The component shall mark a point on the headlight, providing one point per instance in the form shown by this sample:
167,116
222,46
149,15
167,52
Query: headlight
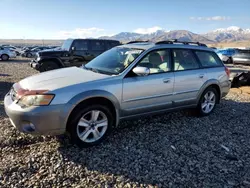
35,100
38,59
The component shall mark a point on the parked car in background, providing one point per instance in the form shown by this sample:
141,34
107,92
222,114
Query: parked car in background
242,56
226,54
124,82
13,48
32,52
6,54
73,52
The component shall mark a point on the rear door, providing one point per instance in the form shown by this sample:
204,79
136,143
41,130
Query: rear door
189,77
80,54
97,48
110,44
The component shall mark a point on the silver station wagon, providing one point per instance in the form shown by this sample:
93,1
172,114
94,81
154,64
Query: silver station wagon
139,78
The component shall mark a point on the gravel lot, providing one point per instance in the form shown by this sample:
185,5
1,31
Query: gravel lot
170,150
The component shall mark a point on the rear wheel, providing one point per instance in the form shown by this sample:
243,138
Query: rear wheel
48,65
208,101
5,57
90,125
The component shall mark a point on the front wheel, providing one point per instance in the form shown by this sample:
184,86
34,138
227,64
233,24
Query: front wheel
208,101
5,57
29,55
90,125
48,65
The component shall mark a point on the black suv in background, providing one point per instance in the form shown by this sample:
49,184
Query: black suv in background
73,52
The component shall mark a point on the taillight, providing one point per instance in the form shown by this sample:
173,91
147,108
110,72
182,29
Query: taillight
227,71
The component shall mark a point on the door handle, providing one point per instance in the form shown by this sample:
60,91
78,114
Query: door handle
201,76
166,80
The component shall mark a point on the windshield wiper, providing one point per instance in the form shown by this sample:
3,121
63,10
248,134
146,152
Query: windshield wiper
96,70
89,68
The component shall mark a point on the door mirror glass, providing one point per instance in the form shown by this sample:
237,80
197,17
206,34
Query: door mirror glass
141,71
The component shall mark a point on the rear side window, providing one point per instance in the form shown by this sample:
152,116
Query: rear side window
184,60
208,59
81,45
98,45
111,44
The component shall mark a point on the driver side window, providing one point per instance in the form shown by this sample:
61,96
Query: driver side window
157,61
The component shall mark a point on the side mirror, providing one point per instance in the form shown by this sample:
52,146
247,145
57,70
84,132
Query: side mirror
73,48
141,71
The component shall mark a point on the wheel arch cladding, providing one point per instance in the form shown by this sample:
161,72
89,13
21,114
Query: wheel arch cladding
94,97
210,83
56,60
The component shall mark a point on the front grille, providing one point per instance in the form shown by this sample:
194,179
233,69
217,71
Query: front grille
13,94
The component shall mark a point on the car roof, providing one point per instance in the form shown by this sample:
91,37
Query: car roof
151,45
94,39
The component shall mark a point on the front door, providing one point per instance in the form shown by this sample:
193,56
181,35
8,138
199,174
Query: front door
189,77
154,92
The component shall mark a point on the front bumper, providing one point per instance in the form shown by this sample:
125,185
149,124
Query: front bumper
34,64
45,120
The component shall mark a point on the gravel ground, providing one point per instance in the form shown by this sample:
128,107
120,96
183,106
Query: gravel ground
170,150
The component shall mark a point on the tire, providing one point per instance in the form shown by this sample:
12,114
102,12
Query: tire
229,61
29,55
207,106
5,57
48,65
93,134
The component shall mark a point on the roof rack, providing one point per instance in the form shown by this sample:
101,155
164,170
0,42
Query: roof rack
180,42
137,41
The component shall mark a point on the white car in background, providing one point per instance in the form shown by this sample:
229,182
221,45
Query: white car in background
6,54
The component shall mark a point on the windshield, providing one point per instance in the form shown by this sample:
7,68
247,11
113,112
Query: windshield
66,45
114,61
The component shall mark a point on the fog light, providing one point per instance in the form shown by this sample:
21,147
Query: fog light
28,127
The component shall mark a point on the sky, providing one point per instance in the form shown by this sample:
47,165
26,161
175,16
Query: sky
60,19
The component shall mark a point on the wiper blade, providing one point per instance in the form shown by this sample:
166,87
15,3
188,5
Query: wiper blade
89,68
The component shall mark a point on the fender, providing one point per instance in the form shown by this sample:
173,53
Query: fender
92,94
52,58
205,86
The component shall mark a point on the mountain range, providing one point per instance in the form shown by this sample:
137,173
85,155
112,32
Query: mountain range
230,34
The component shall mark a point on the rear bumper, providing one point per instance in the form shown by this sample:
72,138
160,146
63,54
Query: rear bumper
225,88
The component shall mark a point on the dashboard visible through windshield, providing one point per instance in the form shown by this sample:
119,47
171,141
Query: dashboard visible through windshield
114,61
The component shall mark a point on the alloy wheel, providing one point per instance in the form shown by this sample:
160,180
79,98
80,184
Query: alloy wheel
208,102
92,126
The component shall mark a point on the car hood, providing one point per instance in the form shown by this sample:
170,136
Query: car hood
60,78
50,52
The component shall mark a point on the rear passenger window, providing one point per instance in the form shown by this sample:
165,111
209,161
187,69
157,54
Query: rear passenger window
184,60
98,45
208,59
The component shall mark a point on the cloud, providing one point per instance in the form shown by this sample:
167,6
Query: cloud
92,32
147,30
213,18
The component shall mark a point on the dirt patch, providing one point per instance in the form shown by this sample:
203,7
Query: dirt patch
241,90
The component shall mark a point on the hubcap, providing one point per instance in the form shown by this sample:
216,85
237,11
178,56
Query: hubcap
92,126
208,102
